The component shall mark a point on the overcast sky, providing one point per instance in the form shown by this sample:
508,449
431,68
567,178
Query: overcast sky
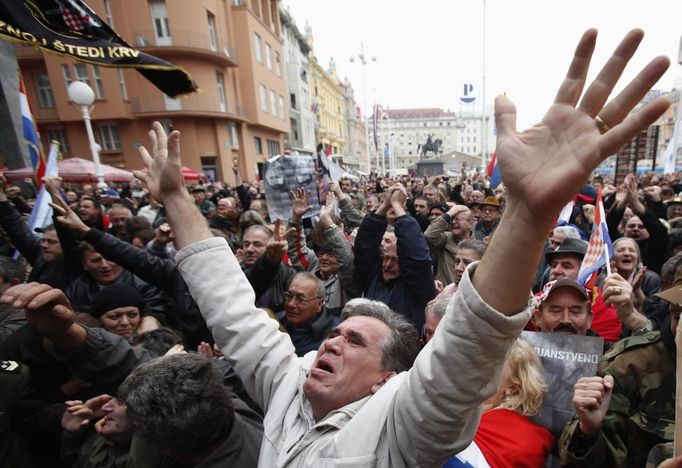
427,49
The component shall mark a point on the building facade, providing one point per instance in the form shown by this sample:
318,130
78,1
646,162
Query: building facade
301,138
402,133
233,51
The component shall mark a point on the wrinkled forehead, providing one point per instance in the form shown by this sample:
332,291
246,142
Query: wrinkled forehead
371,329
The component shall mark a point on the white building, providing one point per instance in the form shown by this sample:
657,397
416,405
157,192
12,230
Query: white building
407,130
302,120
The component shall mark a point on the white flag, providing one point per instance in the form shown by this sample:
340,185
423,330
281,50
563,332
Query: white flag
41,215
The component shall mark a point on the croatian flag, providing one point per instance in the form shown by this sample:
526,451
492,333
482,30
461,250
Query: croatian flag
493,172
600,248
31,139
41,214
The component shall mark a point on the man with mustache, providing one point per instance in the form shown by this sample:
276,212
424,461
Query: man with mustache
564,308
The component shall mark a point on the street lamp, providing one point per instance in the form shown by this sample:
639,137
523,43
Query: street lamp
363,60
83,95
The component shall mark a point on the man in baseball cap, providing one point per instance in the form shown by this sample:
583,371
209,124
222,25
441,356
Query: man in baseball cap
564,308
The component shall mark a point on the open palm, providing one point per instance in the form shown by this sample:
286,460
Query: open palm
545,165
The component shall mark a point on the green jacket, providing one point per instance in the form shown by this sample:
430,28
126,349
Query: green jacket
642,409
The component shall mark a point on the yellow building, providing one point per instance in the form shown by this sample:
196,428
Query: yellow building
232,49
328,103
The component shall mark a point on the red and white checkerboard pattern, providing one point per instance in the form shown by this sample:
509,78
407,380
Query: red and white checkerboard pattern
595,249
74,19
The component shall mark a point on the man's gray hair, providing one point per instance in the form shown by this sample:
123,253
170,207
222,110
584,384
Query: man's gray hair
569,231
177,403
319,284
401,349
438,306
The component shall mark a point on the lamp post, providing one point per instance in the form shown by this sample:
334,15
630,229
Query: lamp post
83,95
363,60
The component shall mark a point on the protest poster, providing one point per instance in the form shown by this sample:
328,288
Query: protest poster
565,359
284,174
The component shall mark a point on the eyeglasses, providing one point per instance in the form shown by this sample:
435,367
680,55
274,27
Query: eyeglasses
300,298
388,258
633,226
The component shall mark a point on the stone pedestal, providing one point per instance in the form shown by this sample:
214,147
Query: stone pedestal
432,168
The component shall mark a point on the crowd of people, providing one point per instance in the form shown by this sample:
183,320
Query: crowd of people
160,325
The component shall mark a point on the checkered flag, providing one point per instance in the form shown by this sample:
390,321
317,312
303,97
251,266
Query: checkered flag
600,248
77,17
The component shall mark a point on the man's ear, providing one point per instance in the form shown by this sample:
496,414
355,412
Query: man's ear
384,377
536,317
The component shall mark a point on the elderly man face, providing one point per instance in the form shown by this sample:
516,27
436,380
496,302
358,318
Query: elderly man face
476,196
390,267
634,229
565,265
224,206
489,215
302,304
114,426
348,365
460,225
564,311
556,239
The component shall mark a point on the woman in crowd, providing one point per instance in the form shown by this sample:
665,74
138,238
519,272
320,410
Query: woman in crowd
122,311
506,437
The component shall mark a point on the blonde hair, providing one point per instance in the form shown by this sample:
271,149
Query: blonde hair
527,375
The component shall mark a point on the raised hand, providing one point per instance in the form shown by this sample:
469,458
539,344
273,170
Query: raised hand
545,166
327,210
300,204
65,215
163,177
78,414
277,244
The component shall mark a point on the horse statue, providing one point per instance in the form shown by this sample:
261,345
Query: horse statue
430,145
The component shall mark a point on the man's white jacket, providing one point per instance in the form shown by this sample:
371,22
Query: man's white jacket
417,419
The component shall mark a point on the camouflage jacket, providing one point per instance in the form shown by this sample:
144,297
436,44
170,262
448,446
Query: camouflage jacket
642,409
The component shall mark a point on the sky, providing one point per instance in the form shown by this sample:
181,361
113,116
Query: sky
428,49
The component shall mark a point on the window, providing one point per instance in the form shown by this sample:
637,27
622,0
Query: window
81,71
66,71
259,145
292,100
263,97
99,85
220,84
281,106
107,13
122,84
273,148
45,96
213,41
273,103
234,138
268,53
160,20
259,47
278,64
109,138
58,134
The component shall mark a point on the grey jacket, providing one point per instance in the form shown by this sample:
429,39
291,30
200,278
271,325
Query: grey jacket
418,418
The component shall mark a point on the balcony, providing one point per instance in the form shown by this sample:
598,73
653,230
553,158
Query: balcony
193,104
186,43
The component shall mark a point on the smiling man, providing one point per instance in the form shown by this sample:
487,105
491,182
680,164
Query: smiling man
358,402
564,308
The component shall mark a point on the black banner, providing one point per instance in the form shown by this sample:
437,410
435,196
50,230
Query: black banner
72,28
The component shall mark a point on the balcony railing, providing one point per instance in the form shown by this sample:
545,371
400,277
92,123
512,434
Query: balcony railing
186,39
192,103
